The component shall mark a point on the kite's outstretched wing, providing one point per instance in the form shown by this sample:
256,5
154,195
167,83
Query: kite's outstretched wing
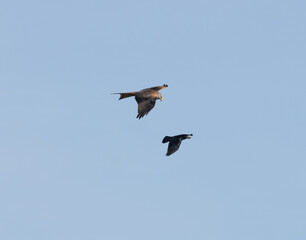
145,106
159,87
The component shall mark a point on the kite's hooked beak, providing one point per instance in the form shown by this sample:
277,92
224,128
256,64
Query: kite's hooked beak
161,98
189,137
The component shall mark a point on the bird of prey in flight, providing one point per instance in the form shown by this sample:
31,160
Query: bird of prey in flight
145,98
175,142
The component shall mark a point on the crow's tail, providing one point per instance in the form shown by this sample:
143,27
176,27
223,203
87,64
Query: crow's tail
166,139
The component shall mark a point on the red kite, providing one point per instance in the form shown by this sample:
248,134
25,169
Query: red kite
145,98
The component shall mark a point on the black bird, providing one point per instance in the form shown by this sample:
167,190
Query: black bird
175,142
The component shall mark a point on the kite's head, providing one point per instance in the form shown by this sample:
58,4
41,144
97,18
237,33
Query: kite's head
160,96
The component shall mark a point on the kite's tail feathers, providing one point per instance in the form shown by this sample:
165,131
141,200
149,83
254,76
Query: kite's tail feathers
126,95
166,139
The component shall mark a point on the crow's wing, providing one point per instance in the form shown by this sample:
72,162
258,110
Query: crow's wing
173,146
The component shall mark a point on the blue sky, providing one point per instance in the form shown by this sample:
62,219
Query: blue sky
75,163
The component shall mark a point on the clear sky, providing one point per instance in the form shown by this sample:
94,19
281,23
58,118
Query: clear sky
75,163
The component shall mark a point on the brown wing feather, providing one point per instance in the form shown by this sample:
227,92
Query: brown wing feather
159,87
144,107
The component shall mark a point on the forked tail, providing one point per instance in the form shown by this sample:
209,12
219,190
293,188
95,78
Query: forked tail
126,95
